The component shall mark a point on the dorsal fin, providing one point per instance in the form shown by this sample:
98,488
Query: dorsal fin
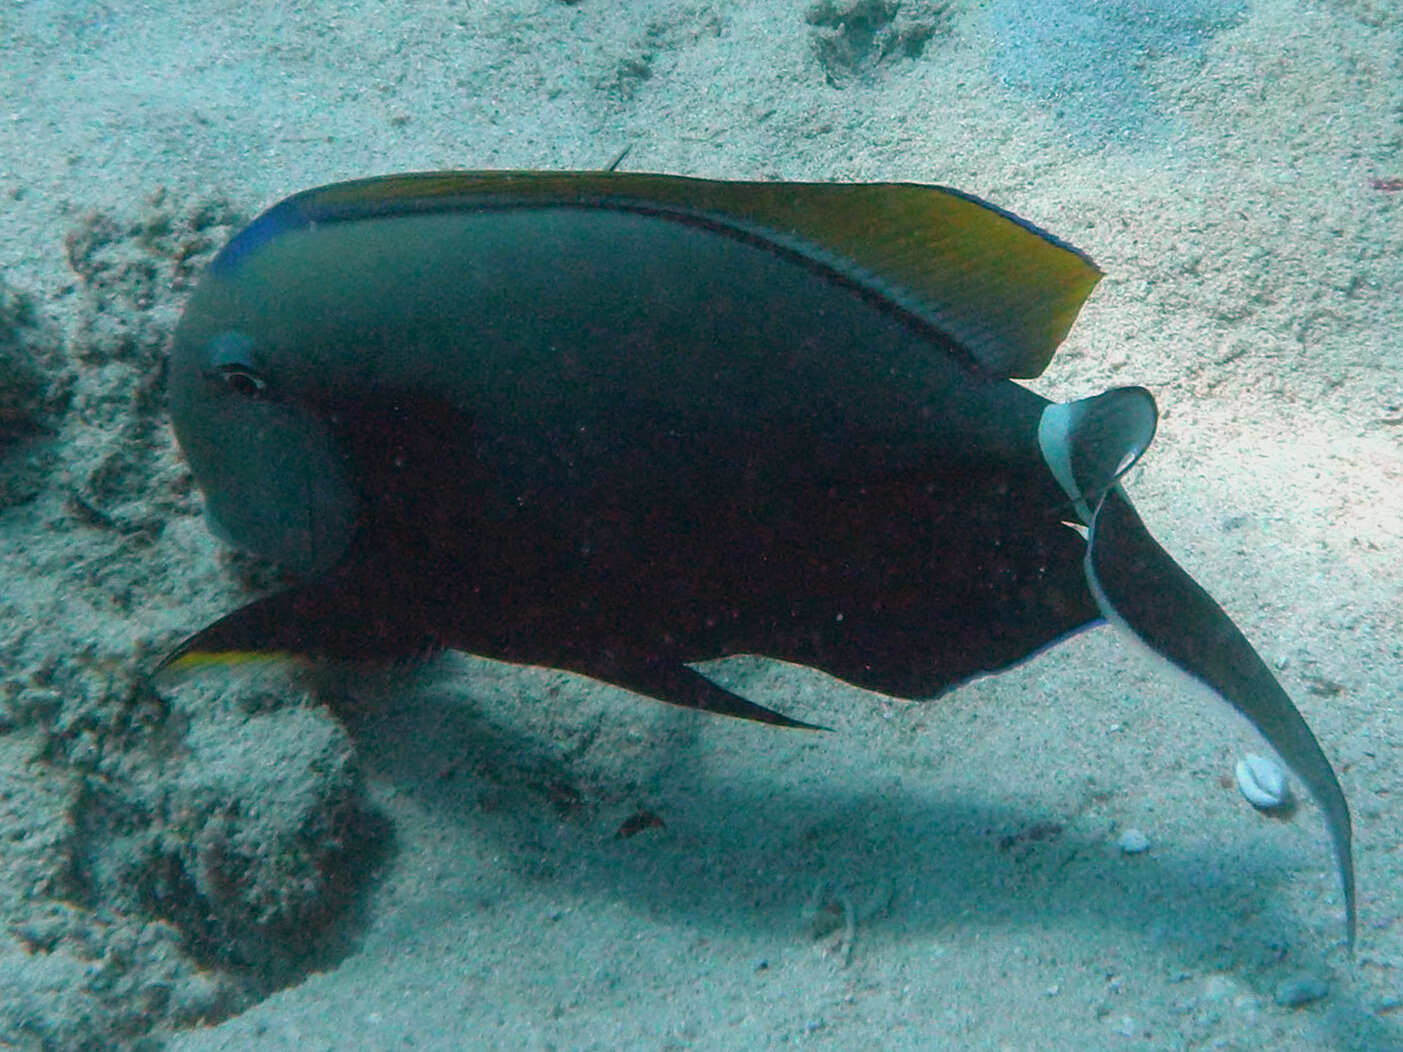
999,288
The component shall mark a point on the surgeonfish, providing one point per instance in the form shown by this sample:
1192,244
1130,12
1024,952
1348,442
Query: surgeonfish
621,423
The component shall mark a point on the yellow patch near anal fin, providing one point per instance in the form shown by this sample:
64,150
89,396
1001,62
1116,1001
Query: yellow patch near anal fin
189,662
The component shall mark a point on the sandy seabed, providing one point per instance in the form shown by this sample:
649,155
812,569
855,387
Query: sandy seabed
430,861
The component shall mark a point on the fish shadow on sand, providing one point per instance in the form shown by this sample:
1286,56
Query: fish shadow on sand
750,846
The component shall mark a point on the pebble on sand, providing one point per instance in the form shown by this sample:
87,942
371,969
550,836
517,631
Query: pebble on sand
1300,989
1133,842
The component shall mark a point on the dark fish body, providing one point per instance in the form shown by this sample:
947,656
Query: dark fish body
619,424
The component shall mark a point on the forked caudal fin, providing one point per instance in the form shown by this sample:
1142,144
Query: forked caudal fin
1091,443
1139,586
1088,445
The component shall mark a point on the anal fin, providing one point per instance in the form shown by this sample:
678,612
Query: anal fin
677,684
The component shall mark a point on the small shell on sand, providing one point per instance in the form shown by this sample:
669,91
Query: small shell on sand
1262,781
1133,842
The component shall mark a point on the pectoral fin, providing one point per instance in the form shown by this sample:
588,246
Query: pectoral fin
1139,586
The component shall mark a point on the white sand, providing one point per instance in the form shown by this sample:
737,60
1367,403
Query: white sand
1254,283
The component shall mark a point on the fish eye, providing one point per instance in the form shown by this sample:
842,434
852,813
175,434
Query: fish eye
231,359
242,380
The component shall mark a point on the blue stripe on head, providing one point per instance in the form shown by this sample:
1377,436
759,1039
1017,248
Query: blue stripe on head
289,214
337,202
